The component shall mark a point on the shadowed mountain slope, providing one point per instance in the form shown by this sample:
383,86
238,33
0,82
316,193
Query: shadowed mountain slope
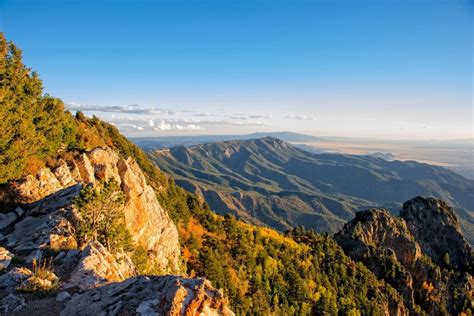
268,181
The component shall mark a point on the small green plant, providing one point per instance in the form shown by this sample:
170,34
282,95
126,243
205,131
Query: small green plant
101,218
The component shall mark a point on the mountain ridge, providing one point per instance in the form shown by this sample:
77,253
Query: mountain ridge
249,178
152,143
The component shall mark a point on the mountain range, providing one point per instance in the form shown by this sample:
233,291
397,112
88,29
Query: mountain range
151,143
271,182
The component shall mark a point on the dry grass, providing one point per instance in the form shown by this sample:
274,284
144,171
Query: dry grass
42,278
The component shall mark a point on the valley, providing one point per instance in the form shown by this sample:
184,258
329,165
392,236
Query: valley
270,182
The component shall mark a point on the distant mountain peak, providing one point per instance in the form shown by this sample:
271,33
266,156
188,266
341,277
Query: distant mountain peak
284,186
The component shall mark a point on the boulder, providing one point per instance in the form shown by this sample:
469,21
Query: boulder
86,170
19,211
64,175
52,230
11,280
59,199
97,266
7,219
155,295
104,162
33,188
46,280
5,258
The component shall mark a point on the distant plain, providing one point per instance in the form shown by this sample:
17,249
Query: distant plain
457,155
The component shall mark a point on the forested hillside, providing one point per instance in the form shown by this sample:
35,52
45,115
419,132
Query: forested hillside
263,271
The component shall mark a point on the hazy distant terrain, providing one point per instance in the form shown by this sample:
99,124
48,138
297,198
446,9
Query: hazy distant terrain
151,143
268,181
457,155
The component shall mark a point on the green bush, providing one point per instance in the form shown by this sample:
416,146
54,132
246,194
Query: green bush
100,216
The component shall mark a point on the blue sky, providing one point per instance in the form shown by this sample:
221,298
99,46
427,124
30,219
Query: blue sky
382,69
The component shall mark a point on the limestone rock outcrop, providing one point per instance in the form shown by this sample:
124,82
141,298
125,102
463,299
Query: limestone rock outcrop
435,226
49,191
97,266
385,245
155,295
408,252
148,223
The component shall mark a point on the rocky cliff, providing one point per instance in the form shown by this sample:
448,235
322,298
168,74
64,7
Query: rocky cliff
435,226
413,253
149,225
40,251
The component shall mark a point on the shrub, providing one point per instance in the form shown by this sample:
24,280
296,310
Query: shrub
100,216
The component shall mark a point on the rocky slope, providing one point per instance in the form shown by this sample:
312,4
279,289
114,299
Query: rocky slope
268,181
413,253
149,225
166,295
40,251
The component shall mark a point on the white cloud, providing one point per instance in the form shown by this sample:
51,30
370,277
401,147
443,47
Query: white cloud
129,109
149,120
240,116
299,117
168,126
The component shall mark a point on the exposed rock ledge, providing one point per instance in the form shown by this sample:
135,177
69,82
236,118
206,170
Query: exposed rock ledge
164,295
149,225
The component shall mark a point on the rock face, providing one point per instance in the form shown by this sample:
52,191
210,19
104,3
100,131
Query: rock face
165,295
385,245
408,251
7,219
33,235
436,228
149,225
97,266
